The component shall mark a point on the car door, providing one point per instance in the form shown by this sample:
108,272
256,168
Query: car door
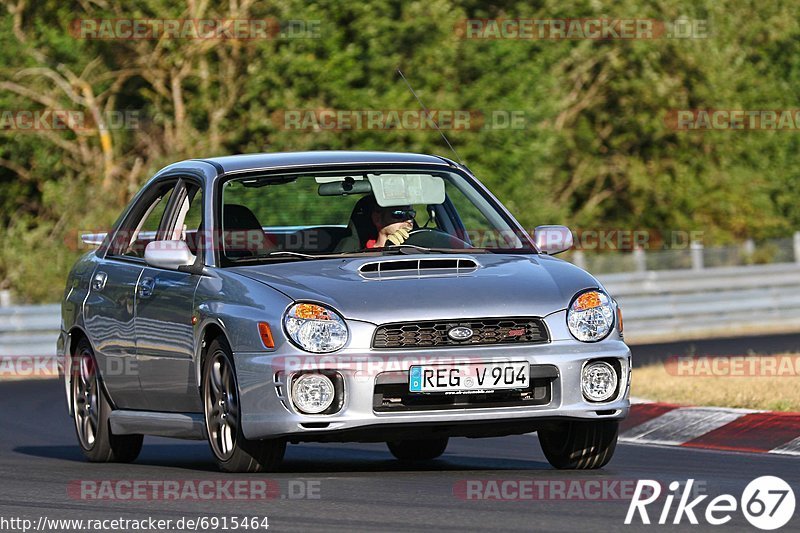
109,310
164,310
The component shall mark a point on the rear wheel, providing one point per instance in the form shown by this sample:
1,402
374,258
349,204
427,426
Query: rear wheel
418,450
90,412
580,445
232,451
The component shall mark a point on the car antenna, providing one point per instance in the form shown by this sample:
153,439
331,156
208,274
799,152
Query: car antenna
428,115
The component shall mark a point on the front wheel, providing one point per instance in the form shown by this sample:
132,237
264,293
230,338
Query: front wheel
578,445
90,412
418,450
232,451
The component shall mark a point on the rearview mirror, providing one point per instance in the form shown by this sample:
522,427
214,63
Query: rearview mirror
168,254
552,240
344,187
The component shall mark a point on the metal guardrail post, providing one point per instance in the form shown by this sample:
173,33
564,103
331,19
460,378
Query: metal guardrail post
579,259
749,248
696,249
639,260
797,246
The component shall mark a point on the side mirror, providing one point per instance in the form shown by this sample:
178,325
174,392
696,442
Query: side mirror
168,254
552,240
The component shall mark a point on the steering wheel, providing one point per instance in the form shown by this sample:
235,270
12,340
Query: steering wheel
435,238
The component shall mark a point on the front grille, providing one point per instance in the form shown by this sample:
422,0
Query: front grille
485,331
391,394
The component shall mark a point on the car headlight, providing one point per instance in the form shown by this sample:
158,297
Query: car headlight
590,317
315,328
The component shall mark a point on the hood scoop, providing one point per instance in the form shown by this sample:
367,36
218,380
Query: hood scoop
418,267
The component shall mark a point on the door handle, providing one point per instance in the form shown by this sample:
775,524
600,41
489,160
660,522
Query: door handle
99,281
146,287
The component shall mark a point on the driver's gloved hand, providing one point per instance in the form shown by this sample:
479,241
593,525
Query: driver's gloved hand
398,237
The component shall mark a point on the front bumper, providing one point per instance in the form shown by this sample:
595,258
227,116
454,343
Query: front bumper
267,411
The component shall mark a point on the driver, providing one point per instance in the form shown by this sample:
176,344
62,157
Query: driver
373,226
393,225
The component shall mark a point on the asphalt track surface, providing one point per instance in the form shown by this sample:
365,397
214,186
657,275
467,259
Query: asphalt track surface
360,487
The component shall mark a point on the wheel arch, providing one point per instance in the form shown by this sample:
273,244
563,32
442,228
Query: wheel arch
210,331
74,336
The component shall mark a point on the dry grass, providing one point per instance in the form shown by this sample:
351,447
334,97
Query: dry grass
11,377
703,385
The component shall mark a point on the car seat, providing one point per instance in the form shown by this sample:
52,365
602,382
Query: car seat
243,235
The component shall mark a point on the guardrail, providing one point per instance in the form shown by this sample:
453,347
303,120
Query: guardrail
657,306
692,304
610,252
29,330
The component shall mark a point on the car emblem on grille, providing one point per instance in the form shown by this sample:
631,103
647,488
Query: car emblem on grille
460,333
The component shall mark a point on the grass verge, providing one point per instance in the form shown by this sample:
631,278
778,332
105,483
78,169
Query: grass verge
753,382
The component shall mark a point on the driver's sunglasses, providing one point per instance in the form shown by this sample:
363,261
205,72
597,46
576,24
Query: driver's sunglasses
403,214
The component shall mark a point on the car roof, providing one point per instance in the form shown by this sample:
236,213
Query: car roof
252,162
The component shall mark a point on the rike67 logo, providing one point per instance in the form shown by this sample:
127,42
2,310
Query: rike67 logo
767,503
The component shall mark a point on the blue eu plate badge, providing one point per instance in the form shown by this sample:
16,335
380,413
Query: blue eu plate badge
415,381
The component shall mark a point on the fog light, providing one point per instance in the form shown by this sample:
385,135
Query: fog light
599,381
312,393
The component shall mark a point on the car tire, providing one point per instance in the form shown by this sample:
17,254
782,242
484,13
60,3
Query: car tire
91,410
418,450
220,394
579,445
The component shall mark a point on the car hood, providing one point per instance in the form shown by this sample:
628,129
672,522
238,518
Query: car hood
499,285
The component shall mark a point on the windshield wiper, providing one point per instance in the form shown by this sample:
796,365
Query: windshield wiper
409,249
401,249
281,254
299,255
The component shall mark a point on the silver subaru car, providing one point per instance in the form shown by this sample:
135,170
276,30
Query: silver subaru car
266,299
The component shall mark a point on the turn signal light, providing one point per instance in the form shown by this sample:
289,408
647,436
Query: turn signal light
266,335
311,312
587,300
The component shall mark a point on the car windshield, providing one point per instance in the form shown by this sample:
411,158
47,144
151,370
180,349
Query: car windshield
356,212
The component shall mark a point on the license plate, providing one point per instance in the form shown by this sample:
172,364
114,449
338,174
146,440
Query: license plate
472,377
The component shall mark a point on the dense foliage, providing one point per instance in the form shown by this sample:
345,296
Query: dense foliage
596,149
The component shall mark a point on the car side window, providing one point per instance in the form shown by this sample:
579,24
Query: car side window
194,216
136,233
189,220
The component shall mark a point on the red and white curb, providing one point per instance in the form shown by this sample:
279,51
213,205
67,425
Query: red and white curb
716,428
